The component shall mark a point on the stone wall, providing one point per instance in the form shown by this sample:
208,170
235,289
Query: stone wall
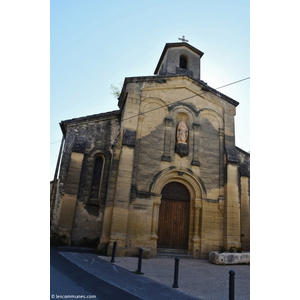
138,145
153,111
89,136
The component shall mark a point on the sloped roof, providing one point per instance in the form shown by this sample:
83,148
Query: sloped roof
105,115
162,79
173,45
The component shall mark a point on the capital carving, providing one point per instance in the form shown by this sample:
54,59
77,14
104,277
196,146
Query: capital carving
198,204
196,126
221,204
221,132
157,200
168,121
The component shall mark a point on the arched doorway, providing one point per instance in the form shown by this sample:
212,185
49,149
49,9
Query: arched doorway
174,213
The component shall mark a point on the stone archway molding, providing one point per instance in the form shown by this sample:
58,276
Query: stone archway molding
197,196
186,177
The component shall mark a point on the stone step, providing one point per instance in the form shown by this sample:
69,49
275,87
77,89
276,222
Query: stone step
172,253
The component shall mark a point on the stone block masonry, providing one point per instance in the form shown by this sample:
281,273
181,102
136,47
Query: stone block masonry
229,258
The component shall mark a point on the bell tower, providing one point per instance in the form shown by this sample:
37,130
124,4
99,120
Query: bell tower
179,59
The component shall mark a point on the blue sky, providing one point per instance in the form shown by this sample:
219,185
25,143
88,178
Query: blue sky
94,44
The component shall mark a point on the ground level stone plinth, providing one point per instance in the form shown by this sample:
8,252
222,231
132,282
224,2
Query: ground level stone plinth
229,258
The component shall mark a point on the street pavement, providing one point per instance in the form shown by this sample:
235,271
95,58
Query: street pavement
68,281
198,279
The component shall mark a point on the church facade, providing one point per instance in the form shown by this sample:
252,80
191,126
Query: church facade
162,172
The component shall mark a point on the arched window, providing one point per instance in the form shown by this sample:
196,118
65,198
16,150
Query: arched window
95,187
183,62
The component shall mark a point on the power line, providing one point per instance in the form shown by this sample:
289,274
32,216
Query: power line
184,99
181,100
232,83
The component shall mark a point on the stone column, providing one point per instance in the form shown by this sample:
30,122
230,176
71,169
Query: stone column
195,161
167,143
245,213
107,215
196,235
122,195
221,163
155,215
69,198
154,225
232,220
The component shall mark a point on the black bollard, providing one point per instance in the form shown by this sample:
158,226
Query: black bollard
231,285
139,270
175,284
113,252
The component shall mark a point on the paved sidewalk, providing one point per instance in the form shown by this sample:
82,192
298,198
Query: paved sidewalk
197,277
139,286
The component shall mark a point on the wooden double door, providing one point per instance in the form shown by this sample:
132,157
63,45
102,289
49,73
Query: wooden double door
174,213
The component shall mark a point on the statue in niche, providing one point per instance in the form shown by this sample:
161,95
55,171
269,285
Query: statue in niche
182,148
182,132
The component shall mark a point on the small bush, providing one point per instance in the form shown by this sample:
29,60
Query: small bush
102,251
232,249
222,249
58,240
89,243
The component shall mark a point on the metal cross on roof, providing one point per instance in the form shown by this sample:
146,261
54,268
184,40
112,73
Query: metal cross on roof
183,39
